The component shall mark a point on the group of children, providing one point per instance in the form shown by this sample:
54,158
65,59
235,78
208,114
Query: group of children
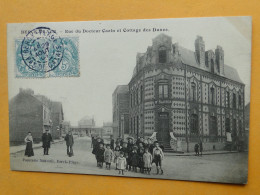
129,156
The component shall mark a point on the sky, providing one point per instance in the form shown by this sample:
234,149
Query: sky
108,59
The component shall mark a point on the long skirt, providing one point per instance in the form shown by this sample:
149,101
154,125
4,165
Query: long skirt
29,149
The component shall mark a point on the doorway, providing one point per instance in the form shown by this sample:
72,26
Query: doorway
163,128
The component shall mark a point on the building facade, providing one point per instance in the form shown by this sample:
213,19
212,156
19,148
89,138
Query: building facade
120,104
57,118
107,128
87,122
28,113
185,95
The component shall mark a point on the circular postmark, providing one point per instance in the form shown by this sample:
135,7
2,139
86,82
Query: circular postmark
42,49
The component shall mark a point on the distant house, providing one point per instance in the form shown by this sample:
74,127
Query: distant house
66,126
86,122
34,113
107,128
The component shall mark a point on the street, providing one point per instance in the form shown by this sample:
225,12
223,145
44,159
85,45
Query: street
216,168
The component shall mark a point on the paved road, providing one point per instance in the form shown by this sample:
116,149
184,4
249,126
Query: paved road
228,168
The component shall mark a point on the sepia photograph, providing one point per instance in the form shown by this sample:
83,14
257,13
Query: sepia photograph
154,98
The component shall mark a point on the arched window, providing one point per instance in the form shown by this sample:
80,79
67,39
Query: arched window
131,100
227,125
213,130
193,91
239,100
240,133
228,99
162,55
137,96
234,100
212,95
194,124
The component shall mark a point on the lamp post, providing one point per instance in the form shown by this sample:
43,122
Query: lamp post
122,127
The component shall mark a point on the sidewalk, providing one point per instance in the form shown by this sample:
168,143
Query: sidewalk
203,153
15,149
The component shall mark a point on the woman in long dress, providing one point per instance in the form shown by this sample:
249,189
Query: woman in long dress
29,145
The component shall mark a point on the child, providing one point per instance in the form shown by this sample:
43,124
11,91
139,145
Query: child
108,156
135,159
158,157
100,155
121,163
140,153
147,158
116,155
124,149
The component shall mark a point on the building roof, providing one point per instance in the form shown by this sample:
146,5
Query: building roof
188,57
121,89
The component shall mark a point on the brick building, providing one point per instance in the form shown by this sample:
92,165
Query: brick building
185,95
120,103
35,113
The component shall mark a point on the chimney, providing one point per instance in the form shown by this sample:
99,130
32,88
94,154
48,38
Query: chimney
200,50
175,49
219,52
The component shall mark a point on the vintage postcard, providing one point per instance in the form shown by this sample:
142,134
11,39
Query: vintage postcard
161,98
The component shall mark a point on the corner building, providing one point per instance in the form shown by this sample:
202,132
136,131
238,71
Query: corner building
185,95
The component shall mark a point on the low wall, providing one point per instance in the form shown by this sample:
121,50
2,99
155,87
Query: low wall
207,146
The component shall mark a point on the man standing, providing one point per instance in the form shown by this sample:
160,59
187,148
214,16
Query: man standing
69,142
46,142
196,149
201,148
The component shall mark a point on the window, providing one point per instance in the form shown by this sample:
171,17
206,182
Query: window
234,100
234,127
131,125
212,95
227,125
194,124
162,55
228,99
134,126
131,100
193,91
213,130
137,97
163,90
240,128
137,126
239,100
142,91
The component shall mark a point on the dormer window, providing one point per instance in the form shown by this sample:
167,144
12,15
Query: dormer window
162,55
